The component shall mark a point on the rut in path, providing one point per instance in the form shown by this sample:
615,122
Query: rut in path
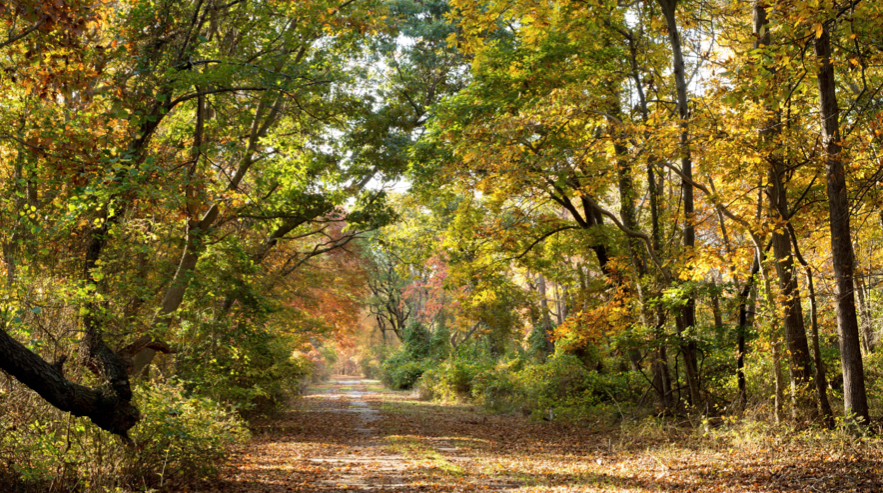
352,435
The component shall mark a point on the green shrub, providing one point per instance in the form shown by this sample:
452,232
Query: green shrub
182,438
497,388
521,382
400,372
453,379
323,359
371,367
561,382
253,370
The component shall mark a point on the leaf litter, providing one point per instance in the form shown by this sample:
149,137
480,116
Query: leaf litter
342,437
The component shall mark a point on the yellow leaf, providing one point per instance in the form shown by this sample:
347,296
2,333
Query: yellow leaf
819,30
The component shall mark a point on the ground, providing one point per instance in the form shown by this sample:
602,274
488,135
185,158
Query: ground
353,435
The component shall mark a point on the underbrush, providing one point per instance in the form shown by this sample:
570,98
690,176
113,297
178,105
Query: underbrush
180,440
515,382
245,365
189,423
752,435
562,386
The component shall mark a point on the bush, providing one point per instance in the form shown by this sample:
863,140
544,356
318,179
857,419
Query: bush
416,354
453,380
371,367
323,359
520,382
401,372
180,439
498,388
253,370
187,436
563,382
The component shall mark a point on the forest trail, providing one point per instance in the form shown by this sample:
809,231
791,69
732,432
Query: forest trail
353,435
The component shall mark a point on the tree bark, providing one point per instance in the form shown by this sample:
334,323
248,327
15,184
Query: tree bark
778,398
104,405
659,367
688,313
547,321
869,340
855,399
740,342
792,314
820,379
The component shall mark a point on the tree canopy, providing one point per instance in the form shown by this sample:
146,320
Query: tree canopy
676,195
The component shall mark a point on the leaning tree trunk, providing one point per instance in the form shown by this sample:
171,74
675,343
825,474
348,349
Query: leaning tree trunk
105,405
855,399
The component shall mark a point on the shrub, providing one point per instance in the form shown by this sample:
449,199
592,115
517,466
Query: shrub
253,370
401,372
180,439
187,436
453,379
323,359
371,367
497,388
562,382
519,381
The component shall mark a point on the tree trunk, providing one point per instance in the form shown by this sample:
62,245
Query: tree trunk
792,316
688,313
659,367
778,398
869,340
740,342
746,319
855,399
266,114
547,321
820,379
716,307
559,304
103,405
689,364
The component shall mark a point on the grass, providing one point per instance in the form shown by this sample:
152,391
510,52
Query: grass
414,449
420,407
320,389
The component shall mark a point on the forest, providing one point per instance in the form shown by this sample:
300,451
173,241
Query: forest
652,220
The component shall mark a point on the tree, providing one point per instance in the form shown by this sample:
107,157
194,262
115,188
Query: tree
192,115
854,394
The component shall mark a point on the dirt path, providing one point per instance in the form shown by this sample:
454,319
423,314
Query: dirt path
352,435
